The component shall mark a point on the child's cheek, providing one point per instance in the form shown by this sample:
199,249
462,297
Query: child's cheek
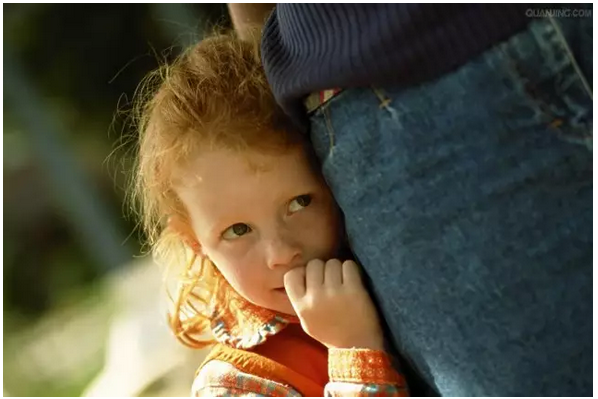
239,250
322,229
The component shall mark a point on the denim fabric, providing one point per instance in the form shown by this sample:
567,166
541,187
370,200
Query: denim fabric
468,201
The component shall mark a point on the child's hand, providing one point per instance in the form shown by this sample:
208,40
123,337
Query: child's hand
333,305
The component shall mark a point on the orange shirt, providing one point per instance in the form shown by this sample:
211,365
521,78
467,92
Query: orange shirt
261,352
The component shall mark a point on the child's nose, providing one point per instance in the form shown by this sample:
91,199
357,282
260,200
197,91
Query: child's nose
281,252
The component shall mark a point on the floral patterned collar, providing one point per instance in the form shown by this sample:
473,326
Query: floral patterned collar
238,323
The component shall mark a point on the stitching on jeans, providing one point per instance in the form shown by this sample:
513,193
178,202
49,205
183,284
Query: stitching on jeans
572,59
329,129
587,140
385,102
382,97
554,122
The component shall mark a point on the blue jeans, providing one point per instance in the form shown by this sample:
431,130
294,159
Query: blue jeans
468,201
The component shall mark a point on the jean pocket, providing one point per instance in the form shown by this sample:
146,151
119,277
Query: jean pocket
542,65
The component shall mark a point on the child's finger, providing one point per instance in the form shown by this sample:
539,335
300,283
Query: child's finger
333,273
351,274
294,283
314,274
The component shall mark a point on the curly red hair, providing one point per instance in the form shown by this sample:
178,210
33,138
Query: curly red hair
214,94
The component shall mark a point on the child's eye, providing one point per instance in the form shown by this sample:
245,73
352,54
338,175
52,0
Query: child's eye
235,231
299,203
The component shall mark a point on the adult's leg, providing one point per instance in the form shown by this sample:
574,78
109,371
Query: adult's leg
468,200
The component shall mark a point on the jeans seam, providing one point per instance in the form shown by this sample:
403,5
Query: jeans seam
563,41
329,129
552,121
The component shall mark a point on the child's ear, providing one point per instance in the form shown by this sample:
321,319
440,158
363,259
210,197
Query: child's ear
183,229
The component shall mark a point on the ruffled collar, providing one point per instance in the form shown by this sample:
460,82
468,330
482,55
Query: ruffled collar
238,323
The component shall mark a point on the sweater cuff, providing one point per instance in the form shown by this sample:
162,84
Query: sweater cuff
362,366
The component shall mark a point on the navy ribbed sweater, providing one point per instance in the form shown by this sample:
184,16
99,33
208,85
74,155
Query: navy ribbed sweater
311,47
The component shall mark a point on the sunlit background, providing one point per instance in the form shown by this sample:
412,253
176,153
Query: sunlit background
83,312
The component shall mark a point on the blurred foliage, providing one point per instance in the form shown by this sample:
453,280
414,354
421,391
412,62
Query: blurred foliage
86,61
61,353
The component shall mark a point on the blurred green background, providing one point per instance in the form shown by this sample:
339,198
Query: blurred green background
76,294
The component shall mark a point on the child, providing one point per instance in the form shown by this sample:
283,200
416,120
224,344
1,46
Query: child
221,173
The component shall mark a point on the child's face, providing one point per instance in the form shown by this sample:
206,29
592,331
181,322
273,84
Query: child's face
257,224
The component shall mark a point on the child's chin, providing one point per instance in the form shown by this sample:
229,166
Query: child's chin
291,312
285,308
